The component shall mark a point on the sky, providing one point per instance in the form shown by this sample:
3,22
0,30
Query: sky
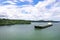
30,9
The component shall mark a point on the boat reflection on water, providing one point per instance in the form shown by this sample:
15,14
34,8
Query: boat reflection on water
44,26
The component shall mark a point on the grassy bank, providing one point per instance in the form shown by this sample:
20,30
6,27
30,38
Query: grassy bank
11,22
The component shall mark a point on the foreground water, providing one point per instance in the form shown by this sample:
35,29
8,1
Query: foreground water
28,32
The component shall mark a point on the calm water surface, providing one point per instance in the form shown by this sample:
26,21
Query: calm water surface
28,32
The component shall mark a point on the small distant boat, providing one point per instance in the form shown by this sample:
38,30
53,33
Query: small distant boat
44,26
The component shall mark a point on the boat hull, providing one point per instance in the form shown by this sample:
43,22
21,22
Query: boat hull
42,27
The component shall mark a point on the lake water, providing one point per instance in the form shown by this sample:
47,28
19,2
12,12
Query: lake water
28,32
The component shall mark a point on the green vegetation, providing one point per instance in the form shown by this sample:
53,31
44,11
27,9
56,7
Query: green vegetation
11,22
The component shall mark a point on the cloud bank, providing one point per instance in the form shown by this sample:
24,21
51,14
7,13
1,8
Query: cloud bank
45,10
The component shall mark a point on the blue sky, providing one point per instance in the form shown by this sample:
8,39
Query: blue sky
30,9
21,3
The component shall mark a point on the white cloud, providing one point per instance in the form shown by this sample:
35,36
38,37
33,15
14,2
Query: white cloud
26,0
29,12
13,0
57,16
44,3
48,13
14,12
20,0
10,2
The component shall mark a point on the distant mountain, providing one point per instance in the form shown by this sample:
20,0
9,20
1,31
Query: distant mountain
45,21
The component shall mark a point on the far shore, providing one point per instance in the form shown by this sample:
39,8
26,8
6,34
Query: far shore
12,22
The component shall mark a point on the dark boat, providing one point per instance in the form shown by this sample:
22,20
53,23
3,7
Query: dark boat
45,26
